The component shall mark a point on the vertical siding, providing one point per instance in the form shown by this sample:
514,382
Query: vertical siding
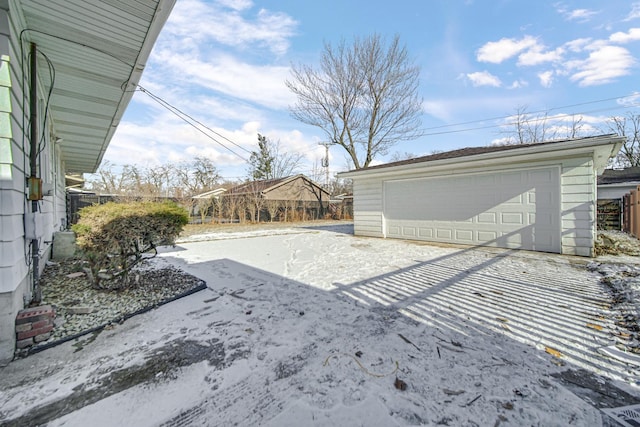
367,208
578,183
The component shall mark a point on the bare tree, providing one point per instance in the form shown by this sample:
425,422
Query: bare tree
273,207
363,96
528,128
398,156
196,176
629,127
109,181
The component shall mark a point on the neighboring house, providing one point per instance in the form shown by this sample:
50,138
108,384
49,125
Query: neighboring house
538,197
67,73
203,204
613,184
208,195
266,197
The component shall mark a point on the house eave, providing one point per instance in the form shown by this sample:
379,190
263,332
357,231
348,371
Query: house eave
98,52
601,148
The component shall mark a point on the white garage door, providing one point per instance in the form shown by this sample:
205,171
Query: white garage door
514,209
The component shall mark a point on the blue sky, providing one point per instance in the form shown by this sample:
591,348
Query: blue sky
224,62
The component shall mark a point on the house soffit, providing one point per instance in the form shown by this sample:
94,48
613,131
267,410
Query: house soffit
91,56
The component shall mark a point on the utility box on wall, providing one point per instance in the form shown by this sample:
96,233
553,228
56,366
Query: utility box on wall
33,225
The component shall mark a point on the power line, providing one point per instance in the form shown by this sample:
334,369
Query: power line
534,112
183,116
535,119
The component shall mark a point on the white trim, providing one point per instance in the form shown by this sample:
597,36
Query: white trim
600,148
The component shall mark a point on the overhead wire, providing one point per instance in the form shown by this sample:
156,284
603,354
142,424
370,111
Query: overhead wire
191,120
532,120
536,112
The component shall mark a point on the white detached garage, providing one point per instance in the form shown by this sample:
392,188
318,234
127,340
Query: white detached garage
539,197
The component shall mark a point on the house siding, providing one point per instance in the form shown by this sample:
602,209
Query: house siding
14,271
298,189
578,184
368,219
16,276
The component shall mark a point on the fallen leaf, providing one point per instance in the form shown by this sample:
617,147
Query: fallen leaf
507,405
452,392
553,352
399,384
502,319
594,326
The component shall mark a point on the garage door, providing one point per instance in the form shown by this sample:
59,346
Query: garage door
511,209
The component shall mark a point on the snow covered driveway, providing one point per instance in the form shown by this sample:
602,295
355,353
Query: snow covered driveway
313,326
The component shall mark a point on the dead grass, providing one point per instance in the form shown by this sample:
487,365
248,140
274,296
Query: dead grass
616,243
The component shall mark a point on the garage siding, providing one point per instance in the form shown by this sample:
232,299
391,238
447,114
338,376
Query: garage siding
367,208
578,205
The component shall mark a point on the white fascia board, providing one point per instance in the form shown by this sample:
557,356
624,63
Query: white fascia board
620,184
600,148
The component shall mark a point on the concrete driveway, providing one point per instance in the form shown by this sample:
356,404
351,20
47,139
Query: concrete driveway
313,326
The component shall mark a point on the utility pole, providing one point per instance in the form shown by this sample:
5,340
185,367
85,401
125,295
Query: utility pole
325,162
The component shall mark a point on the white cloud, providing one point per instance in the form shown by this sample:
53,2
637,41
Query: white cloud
503,49
537,56
224,22
484,78
519,84
546,78
260,84
630,101
621,37
635,12
578,45
440,109
581,15
604,64
236,4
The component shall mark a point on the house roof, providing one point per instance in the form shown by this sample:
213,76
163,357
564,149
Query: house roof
98,50
210,194
606,145
264,186
619,176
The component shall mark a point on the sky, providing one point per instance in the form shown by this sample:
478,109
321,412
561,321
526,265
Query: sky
225,62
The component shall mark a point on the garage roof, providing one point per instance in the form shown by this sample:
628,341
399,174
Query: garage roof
603,146
98,49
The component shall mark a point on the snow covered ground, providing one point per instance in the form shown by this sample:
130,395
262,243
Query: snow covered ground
313,326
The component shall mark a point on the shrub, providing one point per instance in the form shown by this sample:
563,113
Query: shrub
114,237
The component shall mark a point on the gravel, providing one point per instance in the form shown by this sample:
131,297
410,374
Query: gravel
81,308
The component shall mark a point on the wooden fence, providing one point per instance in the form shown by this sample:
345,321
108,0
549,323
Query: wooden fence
609,214
631,213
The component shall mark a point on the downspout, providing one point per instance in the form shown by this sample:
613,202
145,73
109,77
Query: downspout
33,163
